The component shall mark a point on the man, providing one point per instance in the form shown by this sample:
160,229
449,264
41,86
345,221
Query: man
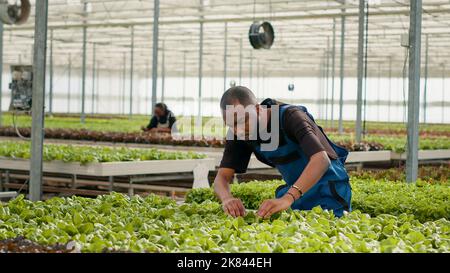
310,164
162,121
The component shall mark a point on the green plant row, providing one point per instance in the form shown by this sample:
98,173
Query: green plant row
429,174
396,143
426,202
389,142
155,224
90,154
125,124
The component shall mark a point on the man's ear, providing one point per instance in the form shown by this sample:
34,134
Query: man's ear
258,107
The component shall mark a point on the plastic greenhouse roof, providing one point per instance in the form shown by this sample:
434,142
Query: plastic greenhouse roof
303,35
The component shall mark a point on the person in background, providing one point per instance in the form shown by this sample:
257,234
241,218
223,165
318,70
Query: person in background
162,120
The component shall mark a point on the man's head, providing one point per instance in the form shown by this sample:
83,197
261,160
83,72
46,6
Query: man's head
241,111
237,95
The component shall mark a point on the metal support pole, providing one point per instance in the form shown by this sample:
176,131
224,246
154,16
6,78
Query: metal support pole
320,90
360,68
93,78
163,72
111,183
327,76
225,49
69,78
333,69
37,125
378,92
342,73
415,30
200,70
443,92
390,88
251,70
83,77
97,93
147,95
50,99
131,71
184,81
1,70
124,83
240,61
425,84
257,79
155,51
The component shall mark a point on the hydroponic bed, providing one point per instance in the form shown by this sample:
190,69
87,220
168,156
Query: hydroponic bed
389,217
107,162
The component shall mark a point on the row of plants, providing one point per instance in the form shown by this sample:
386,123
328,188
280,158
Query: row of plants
90,154
117,222
116,137
396,131
425,201
392,143
430,174
104,122
370,143
93,123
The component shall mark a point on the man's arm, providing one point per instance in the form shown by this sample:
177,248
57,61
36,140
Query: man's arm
221,183
231,205
236,157
299,127
314,170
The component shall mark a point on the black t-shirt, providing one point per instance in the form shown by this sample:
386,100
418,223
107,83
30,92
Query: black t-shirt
297,126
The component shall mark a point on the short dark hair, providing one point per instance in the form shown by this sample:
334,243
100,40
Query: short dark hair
237,93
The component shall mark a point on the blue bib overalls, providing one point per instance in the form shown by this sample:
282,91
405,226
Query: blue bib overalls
331,192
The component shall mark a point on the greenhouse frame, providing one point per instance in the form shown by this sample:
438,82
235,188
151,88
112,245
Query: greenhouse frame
373,73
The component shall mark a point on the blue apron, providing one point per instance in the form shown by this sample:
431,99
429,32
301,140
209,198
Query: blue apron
331,192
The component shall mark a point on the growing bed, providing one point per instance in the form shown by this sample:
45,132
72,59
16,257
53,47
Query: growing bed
109,162
156,224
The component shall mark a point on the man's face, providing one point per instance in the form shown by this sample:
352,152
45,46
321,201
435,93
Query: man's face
159,112
243,121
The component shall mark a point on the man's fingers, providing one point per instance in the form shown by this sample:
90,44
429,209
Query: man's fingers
272,210
234,207
232,211
237,207
264,208
237,210
241,208
226,210
268,210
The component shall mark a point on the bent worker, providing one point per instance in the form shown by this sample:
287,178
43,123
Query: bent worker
311,165
162,121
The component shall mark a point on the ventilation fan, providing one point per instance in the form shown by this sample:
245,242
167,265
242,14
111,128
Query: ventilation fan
291,87
261,35
14,14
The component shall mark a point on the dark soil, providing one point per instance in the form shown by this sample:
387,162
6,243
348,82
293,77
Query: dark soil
22,245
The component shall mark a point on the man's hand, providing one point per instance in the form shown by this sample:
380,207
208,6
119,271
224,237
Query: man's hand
233,206
272,206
